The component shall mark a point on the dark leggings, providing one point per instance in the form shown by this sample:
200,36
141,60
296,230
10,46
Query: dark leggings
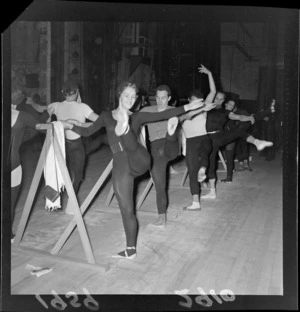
242,150
229,153
220,139
162,151
75,158
128,164
197,156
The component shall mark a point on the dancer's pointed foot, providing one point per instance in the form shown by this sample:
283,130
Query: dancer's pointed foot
122,123
172,125
261,144
201,175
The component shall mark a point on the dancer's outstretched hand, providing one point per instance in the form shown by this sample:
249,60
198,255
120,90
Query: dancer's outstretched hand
252,119
202,69
208,106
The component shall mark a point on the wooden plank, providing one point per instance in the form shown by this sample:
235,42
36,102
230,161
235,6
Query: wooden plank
110,196
46,126
144,194
31,252
186,172
222,160
83,208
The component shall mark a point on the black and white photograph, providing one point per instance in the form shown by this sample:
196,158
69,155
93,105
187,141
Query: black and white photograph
151,151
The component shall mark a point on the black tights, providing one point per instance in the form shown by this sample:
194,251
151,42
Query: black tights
220,139
75,159
242,150
229,153
197,156
127,165
162,151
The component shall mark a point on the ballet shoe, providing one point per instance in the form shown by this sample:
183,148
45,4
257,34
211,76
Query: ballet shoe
194,207
261,144
161,221
227,180
211,195
128,253
172,125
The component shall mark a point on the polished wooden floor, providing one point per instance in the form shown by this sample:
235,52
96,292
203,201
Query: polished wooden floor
234,242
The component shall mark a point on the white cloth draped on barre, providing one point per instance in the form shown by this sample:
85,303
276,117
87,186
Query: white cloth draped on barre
52,173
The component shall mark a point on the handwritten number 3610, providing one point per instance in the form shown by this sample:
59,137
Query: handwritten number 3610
204,300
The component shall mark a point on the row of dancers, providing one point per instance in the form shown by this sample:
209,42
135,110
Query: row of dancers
202,123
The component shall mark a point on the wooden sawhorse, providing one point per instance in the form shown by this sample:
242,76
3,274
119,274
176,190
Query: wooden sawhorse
51,138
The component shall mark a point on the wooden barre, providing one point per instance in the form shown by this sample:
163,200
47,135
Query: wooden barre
45,126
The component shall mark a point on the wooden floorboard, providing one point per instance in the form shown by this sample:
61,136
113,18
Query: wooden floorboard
234,242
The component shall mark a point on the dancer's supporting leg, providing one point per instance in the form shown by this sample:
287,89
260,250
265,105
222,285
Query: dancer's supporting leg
193,165
75,158
197,160
123,182
242,154
132,160
229,153
163,151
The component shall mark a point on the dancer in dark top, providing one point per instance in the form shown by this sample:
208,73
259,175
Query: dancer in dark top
216,120
130,158
21,122
238,147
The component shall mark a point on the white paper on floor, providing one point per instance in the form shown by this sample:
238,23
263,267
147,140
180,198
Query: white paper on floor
38,271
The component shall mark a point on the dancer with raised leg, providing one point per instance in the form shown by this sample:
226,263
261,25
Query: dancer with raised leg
130,158
198,144
216,120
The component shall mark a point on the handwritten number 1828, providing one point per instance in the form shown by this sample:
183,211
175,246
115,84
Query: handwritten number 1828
60,305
